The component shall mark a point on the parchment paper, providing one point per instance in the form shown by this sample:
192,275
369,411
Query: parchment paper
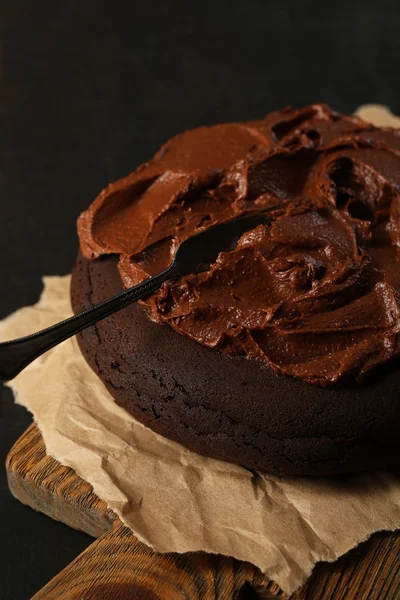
175,500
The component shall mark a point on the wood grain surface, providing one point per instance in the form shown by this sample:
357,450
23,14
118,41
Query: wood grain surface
41,482
119,567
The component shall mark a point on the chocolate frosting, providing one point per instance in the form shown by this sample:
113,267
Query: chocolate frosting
315,291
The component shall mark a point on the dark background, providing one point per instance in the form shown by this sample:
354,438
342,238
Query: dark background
88,90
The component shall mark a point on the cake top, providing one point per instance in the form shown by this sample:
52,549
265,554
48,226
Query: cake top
315,291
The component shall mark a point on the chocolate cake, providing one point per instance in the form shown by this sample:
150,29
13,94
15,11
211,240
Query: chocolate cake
283,355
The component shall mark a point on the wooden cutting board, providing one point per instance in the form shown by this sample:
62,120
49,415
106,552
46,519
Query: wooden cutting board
118,567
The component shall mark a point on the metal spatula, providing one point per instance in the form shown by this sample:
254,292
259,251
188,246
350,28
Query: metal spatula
192,254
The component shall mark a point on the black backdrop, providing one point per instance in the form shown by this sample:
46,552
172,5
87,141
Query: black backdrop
89,89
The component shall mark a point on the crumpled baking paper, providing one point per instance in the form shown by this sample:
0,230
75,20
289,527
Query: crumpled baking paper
175,500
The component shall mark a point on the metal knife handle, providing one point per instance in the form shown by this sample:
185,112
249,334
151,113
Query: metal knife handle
17,354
